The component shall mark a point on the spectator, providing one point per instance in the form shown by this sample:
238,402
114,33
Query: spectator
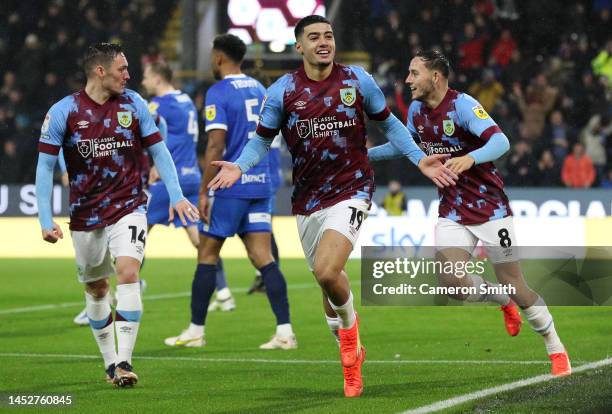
504,47
487,91
548,173
557,136
521,165
594,137
536,103
602,64
471,50
606,182
9,163
578,170
395,203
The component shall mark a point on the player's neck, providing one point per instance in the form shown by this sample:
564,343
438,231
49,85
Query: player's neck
435,98
317,73
97,93
164,90
230,70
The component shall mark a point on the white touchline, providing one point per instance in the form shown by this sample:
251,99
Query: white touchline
461,399
270,361
145,297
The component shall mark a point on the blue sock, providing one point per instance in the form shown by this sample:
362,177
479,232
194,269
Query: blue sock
275,250
202,289
276,289
220,281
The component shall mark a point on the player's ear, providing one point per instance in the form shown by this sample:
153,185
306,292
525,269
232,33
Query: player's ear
298,47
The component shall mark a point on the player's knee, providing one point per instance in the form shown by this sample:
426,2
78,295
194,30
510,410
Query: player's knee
326,273
98,289
127,275
260,257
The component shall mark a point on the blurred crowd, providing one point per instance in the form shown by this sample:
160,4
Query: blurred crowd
40,47
543,70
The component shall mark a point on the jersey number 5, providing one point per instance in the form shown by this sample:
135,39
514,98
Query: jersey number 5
250,104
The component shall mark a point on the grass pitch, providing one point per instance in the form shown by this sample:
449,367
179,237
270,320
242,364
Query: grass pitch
416,356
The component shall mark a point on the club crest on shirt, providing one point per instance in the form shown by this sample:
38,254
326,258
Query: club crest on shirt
303,128
448,126
211,112
124,118
45,126
85,148
348,96
480,112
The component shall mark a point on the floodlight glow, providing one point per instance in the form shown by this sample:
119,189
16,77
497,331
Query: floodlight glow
242,34
243,12
277,46
301,8
320,11
271,24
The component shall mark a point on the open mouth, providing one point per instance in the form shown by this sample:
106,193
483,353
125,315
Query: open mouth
323,53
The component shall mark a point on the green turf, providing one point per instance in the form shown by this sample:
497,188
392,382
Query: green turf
171,384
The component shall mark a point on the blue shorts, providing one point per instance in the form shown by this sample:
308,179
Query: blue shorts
159,201
230,216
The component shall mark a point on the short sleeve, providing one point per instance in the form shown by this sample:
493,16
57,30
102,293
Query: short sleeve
215,115
53,129
474,118
375,104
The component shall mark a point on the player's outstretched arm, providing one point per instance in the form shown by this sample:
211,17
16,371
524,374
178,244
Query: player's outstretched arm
433,167
167,171
51,231
384,152
251,154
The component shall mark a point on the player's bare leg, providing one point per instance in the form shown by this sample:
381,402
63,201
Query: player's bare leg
193,234
260,253
537,314
512,318
97,306
331,256
128,314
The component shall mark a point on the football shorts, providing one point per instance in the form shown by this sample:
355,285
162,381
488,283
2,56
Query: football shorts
95,250
230,216
346,217
498,238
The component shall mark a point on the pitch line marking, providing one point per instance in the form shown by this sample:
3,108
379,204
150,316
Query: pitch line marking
160,296
273,361
461,399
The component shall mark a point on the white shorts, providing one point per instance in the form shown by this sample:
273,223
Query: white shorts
497,236
346,217
95,250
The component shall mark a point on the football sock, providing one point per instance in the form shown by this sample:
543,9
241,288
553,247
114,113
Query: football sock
541,321
346,312
127,319
202,288
220,281
276,289
196,330
284,330
223,294
478,281
334,324
275,250
101,322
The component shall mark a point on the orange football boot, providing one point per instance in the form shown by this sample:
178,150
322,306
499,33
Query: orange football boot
512,318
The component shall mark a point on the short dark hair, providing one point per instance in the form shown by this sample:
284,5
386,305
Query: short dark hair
307,21
435,60
162,69
231,45
100,54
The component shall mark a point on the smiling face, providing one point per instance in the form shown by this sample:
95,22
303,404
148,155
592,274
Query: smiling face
317,45
115,76
420,79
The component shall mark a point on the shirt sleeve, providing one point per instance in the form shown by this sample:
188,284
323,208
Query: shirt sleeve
215,115
54,127
272,112
474,118
375,104
414,106
148,130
